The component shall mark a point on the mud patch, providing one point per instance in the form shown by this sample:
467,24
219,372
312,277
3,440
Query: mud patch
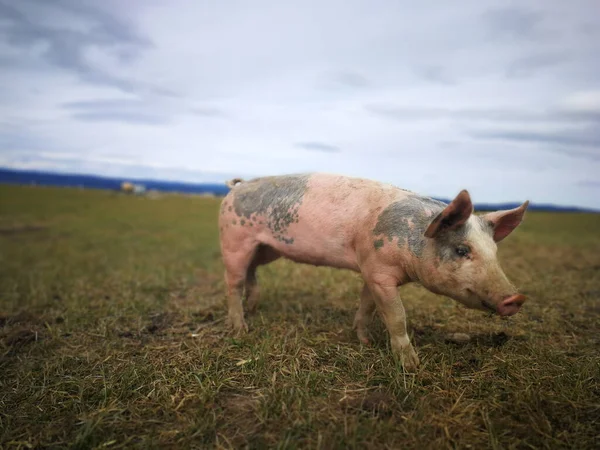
21,337
378,403
204,316
160,322
10,231
21,318
426,334
125,334
492,340
243,414
593,294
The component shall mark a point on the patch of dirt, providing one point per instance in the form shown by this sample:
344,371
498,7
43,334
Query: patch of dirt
9,231
21,318
377,403
492,340
242,414
205,315
239,404
458,338
594,294
426,334
159,322
19,338
594,309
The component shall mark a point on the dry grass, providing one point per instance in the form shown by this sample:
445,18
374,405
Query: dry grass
112,336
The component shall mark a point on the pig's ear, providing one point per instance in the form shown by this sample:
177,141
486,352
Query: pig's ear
453,216
504,222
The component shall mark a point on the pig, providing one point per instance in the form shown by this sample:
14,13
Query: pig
390,236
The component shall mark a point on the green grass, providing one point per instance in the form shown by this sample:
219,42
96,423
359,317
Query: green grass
112,336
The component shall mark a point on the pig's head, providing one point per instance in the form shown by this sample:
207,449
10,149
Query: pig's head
461,261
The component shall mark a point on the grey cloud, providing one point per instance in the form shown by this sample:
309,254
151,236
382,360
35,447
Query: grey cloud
418,113
578,138
589,29
435,74
352,79
133,111
480,114
116,110
128,117
584,143
108,27
103,104
342,79
576,132
318,146
530,64
513,22
208,111
66,47
19,140
589,184
449,144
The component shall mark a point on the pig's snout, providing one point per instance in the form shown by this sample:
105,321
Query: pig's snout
511,305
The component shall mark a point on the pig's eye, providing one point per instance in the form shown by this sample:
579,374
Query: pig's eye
462,250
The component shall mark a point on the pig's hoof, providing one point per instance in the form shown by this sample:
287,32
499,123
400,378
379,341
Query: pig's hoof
410,360
408,357
238,326
362,336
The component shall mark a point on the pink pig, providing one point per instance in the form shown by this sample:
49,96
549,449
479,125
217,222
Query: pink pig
389,235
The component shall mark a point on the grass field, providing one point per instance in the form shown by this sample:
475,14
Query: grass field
112,336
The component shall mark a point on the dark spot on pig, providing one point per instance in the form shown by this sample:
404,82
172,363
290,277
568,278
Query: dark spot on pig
229,209
234,221
407,220
242,222
378,244
278,198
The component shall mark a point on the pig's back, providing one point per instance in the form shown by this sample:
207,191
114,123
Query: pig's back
311,218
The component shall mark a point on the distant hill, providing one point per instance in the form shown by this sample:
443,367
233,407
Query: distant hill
11,176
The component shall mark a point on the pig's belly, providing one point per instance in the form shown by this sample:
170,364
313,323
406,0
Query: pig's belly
314,247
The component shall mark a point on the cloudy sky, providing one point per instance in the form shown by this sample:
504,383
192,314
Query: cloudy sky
499,97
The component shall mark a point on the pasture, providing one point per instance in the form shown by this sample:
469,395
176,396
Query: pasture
112,335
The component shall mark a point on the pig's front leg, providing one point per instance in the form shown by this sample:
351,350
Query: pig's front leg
385,293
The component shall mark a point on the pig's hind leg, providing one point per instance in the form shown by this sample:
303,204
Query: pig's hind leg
237,269
364,315
264,255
